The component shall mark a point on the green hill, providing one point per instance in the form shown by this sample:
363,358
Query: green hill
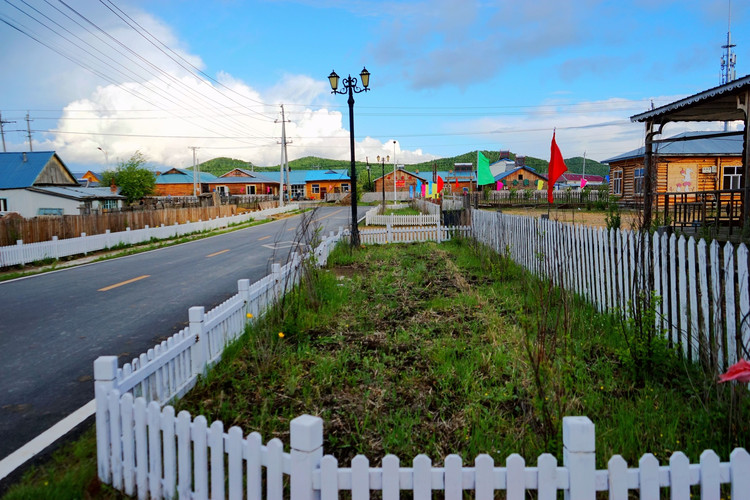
219,166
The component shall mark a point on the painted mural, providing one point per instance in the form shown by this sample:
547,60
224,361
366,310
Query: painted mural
682,179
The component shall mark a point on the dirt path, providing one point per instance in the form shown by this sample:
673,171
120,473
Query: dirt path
595,219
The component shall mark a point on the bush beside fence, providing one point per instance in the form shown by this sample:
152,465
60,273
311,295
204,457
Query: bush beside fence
704,289
24,253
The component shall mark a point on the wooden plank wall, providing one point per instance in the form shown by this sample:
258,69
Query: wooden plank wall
71,226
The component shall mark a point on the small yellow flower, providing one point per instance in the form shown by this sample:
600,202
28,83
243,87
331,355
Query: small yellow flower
601,387
281,335
249,315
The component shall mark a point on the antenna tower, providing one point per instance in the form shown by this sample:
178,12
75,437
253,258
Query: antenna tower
728,58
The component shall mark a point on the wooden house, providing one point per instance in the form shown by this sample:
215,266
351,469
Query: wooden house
179,182
681,165
521,177
400,180
39,183
241,182
319,183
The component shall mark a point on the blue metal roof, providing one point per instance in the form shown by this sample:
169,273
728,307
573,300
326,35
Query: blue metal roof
326,175
81,193
20,170
183,177
707,146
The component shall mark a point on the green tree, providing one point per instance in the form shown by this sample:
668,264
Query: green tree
133,178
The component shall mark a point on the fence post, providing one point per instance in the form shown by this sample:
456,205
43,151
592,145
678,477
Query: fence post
56,247
579,447
276,272
244,290
19,245
105,372
306,442
107,239
387,232
199,352
439,239
83,243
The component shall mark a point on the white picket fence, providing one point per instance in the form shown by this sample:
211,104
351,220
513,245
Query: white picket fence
372,218
23,253
426,207
170,369
417,234
704,289
166,456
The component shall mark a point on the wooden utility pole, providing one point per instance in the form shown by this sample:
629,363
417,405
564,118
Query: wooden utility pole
28,129
2,132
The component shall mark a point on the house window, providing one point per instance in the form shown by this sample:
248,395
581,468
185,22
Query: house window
50,211
109,204
732,177
520,177
344,188
223,190
617,182
316,188
298,191
3,204
250,189
638,180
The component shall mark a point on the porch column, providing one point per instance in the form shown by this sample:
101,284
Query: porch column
648,196
745,159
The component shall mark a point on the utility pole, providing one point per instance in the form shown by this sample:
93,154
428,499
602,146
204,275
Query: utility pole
284,163
195,171
2,133
583,178
729,59
28,129
394,173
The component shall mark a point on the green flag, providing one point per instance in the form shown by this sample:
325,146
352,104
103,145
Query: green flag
484,176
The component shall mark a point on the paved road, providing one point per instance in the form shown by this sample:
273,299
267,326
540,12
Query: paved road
54,325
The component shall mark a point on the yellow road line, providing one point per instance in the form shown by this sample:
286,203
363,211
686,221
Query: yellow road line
217,253
264,238
330,215
110,287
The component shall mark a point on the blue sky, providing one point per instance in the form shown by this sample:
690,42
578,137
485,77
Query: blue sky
447,76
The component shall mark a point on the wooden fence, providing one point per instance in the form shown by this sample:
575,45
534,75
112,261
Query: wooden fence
24,253
144,449
704,288
416,234
71,226
372,218
126,458
163,456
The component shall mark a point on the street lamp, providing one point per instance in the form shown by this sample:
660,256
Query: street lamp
350,87
106,156
382,182
369,181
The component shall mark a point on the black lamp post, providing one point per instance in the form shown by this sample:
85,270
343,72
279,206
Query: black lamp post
369,181
350,87
382,183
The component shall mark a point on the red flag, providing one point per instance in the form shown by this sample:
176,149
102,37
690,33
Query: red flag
439,184
458,188
556,167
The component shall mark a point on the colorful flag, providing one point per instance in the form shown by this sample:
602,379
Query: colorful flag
440,184
422,188
457,186
539,184
583,182
411,191
484,176
500,185
556,168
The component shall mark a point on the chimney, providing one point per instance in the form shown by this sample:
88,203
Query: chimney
504,154
24,157
113,188
520,161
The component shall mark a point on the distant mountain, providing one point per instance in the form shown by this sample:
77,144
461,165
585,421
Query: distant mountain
219,166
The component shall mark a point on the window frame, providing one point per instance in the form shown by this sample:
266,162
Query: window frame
315,188
638,181
617,182
736,176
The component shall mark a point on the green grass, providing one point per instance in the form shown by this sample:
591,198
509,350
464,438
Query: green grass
410,349
420,349
402,211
